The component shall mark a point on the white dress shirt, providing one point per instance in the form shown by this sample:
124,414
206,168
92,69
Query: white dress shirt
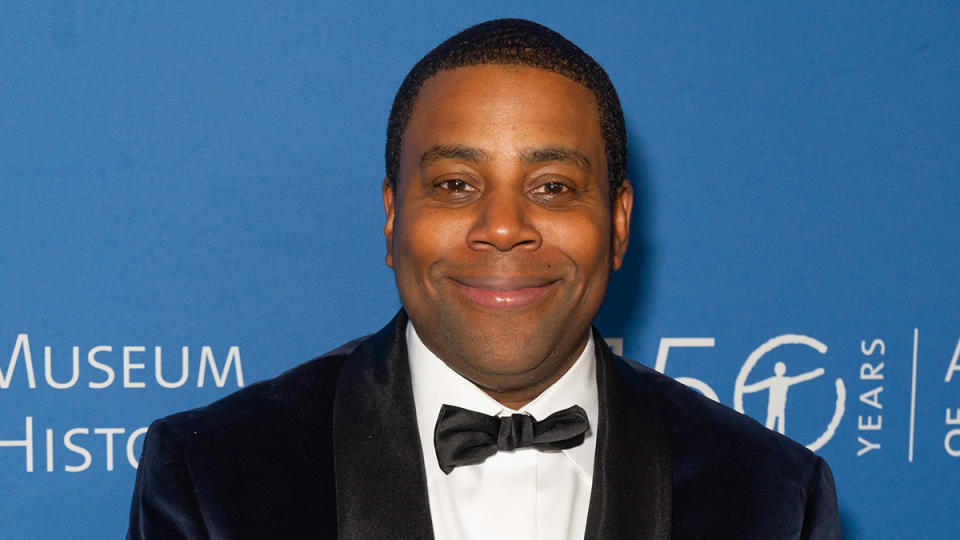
525,494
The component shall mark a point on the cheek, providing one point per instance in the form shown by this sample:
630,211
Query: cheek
586,241
421,239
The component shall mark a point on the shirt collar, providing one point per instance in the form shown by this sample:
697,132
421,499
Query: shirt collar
436,384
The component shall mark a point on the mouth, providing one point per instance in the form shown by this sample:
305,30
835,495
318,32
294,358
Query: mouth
504,293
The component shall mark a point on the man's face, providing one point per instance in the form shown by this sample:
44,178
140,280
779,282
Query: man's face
501,232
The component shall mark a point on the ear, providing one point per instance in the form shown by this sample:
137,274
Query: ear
622,207
389,207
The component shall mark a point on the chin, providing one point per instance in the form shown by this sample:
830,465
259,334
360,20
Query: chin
504,356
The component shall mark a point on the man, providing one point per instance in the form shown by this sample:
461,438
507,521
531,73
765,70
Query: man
488,408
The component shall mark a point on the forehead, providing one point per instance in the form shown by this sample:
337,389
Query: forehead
498,107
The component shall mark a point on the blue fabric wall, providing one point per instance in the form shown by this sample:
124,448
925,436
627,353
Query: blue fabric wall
208,175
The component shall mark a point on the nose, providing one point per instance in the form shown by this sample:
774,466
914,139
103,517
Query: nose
503,223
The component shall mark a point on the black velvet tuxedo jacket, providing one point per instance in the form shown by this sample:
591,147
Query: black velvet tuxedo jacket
331,449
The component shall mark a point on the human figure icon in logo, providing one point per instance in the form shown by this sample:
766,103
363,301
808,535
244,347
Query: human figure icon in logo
778,385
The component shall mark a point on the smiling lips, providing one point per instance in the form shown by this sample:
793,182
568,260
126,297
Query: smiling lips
504,293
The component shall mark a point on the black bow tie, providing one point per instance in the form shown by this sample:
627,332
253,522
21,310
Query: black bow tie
465,437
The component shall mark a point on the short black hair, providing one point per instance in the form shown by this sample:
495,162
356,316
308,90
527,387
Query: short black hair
514,42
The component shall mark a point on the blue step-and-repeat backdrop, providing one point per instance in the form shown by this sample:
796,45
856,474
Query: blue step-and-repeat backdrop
190,202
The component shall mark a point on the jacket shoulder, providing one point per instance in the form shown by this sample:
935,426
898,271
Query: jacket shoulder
724,463
688,414
249,465
301,394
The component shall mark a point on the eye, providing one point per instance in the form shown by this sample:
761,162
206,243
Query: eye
456,185
551,188
552,191
454,190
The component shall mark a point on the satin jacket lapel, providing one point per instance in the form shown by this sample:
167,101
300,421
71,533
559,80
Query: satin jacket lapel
380,479
631,495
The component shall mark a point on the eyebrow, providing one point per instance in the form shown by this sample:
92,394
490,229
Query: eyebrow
453,151
527,156
555,153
